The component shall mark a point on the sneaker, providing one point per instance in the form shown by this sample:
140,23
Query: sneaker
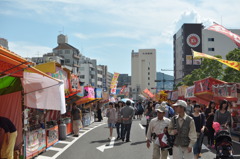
128,140
75,135
110,138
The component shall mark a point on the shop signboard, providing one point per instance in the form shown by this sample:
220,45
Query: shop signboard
89,92
62,75
174,95
181,91
98,93
81,93
75,86
225,90
35,142
190,92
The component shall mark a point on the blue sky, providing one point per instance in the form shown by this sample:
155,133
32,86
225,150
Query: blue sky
108,30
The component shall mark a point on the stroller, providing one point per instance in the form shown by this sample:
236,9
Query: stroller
223,145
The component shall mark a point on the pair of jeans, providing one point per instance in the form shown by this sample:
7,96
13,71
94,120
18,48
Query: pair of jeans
126,131
198,145
118,125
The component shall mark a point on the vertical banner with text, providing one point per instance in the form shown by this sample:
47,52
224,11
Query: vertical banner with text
114,83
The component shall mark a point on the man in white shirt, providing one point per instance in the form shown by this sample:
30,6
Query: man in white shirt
158,126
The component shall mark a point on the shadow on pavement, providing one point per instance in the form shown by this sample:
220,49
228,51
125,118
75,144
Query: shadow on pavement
137,143
100,141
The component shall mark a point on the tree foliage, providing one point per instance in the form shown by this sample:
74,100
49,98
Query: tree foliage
208,68
230,74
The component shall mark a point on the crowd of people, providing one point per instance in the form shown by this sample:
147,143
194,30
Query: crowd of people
176,129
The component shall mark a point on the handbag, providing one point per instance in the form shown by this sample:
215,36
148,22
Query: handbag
144,121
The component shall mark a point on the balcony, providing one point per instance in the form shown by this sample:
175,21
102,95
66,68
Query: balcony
76,56
76,65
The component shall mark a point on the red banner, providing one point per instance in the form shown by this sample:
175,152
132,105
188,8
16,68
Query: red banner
218,28
122,89
148,93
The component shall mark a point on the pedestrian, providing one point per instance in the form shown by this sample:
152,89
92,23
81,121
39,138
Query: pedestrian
189,109
99,113
127,113
183,127
209,113
140,110
200,122
223,116
157,126
77,119
169,112
9,139
119,124
150,114
111,114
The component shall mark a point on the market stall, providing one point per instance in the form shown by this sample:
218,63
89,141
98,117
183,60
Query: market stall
17,74
89,95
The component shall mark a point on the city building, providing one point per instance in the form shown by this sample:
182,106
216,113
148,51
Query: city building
88,71
4,43
143,71
164,82
70,54
194,36
109,79
188,37
124,79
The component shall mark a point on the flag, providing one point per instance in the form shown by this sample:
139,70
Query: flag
220,29
146,91
232,64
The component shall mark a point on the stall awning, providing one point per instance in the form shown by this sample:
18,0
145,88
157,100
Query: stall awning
12,64
43,93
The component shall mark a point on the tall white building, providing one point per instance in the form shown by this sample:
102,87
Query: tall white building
143,71
214,43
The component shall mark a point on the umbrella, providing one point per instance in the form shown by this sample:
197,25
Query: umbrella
126,99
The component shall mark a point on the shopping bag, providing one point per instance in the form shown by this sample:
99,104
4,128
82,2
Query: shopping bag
163,140
144,121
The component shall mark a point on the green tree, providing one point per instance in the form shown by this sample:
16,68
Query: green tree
209,68
232,75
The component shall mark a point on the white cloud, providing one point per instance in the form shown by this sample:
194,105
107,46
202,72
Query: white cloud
26,49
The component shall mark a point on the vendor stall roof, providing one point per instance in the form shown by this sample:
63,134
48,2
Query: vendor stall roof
12,64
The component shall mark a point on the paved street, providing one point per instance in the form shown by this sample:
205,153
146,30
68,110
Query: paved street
93,144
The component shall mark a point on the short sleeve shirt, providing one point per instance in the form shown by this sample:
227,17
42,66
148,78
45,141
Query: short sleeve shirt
7,125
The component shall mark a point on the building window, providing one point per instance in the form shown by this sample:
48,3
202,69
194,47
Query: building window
148,73
149,84
210,39
148,68
82,76
148,78
211,49
67,60
67,51
82,68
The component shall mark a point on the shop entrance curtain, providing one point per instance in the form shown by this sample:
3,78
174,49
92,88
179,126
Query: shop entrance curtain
11,108
43,93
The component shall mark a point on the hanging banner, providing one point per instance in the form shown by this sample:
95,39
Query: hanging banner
181,91
114,82
122,89
146,91
220,29
232,64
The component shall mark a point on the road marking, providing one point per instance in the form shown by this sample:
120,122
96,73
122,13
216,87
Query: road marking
141,126
103,147
67,146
